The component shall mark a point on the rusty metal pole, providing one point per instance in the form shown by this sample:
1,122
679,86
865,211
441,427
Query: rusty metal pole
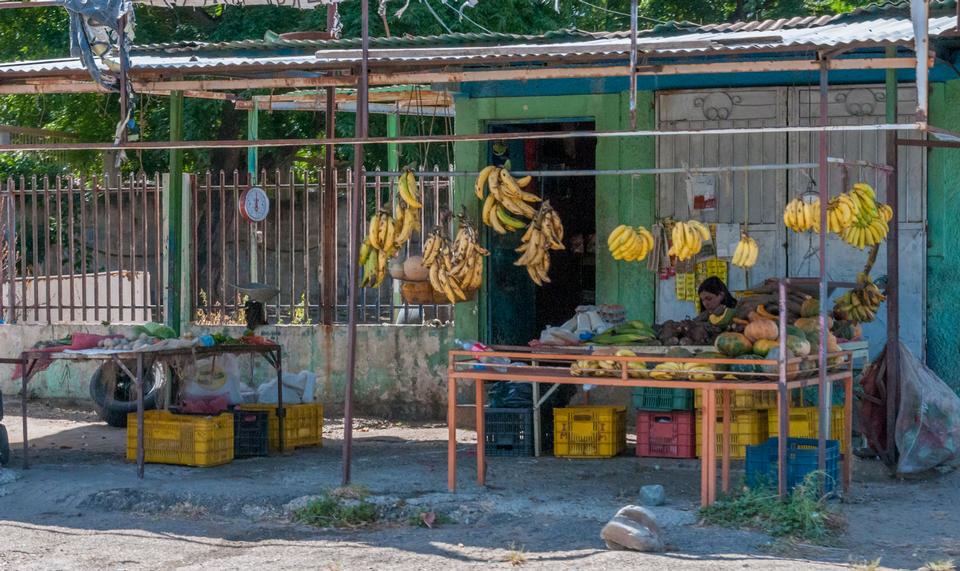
634,17
356,198
893,272
823,182
328,206
783,395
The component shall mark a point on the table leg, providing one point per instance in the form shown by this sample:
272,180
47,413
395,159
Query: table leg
281,413
27,373
712,465
847,433
451,433
481,434
537,419
705,445
725,458
139,385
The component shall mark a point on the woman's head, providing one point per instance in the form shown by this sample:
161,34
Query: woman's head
714,293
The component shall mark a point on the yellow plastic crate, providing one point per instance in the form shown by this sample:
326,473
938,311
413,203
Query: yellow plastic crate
804,423
182,439
741,400
589,431
302,425
747,428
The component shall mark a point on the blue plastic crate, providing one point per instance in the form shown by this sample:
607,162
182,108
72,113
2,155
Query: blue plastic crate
761,462
509,431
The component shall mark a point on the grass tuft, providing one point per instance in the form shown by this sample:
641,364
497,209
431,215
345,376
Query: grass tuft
941,565
338,508
516,557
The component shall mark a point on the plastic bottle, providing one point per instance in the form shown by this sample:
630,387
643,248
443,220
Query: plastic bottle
478,347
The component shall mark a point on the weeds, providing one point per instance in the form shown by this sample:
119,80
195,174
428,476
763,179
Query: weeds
342,507
429,518
942,565
516,556
866,565
803,516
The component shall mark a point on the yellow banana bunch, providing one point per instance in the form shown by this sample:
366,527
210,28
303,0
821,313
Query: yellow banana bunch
408,190
871,223
745,256
841,213
456,269
687,239
630,244
506,200
861,303
802,216
544,233
407,209
380,245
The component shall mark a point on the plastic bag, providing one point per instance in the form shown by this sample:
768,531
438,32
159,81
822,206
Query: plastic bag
215,376
928,423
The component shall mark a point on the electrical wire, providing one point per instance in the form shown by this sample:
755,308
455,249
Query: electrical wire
618,13
464,16
436,16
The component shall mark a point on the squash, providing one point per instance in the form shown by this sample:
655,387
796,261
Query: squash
761,329
745,365
679,352
795,331
764,314
724,319
713,355
799,346
733,344
809,324
763,346
774,354
810,307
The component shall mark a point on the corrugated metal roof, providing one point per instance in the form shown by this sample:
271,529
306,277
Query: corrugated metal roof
157,63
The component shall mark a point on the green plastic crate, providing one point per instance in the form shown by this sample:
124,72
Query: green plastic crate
657,399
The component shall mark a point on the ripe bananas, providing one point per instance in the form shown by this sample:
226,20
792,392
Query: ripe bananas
455,269
545,233
860,304
408,190
388,234
745,256
801,216
871,223
506,201
630,244
687,239
841,213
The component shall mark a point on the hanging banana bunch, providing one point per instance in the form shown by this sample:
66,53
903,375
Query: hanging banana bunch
802,216
841,213
506,200
545,233
745,256
408,189
687,239
871,223
458,269
860,304
379,246
630,244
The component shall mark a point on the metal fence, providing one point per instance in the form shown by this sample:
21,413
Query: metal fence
290,245
81,250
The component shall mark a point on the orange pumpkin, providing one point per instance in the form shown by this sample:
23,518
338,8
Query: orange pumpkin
761,329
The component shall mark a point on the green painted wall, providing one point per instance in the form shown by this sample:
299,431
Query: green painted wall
620,199
943,240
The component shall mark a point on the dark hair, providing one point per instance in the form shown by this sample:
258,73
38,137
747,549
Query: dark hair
716,286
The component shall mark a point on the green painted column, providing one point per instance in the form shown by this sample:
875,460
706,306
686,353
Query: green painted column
173,217
943,239
393,149
253,133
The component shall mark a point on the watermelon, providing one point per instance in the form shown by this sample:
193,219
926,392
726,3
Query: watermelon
795,331
774,354
714,355
744,365
733,344
799,346
679,352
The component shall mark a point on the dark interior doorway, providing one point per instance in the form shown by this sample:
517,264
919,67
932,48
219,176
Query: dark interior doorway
518,310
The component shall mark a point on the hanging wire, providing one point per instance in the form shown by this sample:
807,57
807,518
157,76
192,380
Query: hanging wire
463,16
436,16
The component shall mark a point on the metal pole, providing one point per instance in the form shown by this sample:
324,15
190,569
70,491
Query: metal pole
174,214
634,16
893,274
329,216
355,221
822,186
919,14
253,163
783,401
124,65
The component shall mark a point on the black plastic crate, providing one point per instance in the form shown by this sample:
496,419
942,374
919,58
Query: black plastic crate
250,433
509,431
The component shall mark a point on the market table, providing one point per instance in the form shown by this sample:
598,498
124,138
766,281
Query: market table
554,368
32,358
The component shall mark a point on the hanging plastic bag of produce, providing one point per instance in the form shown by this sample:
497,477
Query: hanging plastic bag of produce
928,423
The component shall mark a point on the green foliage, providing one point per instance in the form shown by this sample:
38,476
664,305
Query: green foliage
343,507
803,516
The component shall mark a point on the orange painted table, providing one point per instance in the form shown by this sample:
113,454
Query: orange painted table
554,368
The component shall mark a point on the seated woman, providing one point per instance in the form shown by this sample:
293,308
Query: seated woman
714,297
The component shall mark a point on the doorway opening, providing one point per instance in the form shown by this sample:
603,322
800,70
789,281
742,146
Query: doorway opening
518,310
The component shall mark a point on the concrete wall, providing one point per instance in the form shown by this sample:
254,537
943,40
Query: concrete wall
401,370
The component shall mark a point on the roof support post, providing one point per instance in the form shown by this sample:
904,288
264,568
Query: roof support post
253,164
328,216
823,181
634,17
173,217
356,198
893,273
920,15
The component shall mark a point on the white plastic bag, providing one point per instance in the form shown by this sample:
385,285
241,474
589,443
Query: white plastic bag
213,377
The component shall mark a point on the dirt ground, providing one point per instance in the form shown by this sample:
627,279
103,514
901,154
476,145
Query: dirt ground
80,506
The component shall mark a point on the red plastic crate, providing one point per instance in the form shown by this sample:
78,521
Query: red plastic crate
668,434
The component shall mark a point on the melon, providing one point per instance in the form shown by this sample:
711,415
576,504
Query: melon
810,307
774,354
795,331
763,346
413,269
761,329
733,344
746,365
799,346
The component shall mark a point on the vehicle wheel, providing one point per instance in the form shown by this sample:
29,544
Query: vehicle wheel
4,446
114,393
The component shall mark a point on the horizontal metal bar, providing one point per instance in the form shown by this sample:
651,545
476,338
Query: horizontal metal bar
154,145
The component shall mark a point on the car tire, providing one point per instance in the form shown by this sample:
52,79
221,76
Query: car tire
113,392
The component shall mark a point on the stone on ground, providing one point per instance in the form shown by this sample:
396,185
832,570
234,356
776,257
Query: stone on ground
633,528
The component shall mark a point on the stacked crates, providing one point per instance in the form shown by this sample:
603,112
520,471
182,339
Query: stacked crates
761,463
748,419
664,422
302,424
804,423
182,439
589,431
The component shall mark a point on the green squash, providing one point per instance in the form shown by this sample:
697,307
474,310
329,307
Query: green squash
733,344
763,346
799,346
746,364
679,352
714,355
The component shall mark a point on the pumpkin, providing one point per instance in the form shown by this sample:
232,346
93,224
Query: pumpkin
810,307
774,354
763,346
761,329
723,319
764,314
808,324
733,344
799,346
847,330
745,365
